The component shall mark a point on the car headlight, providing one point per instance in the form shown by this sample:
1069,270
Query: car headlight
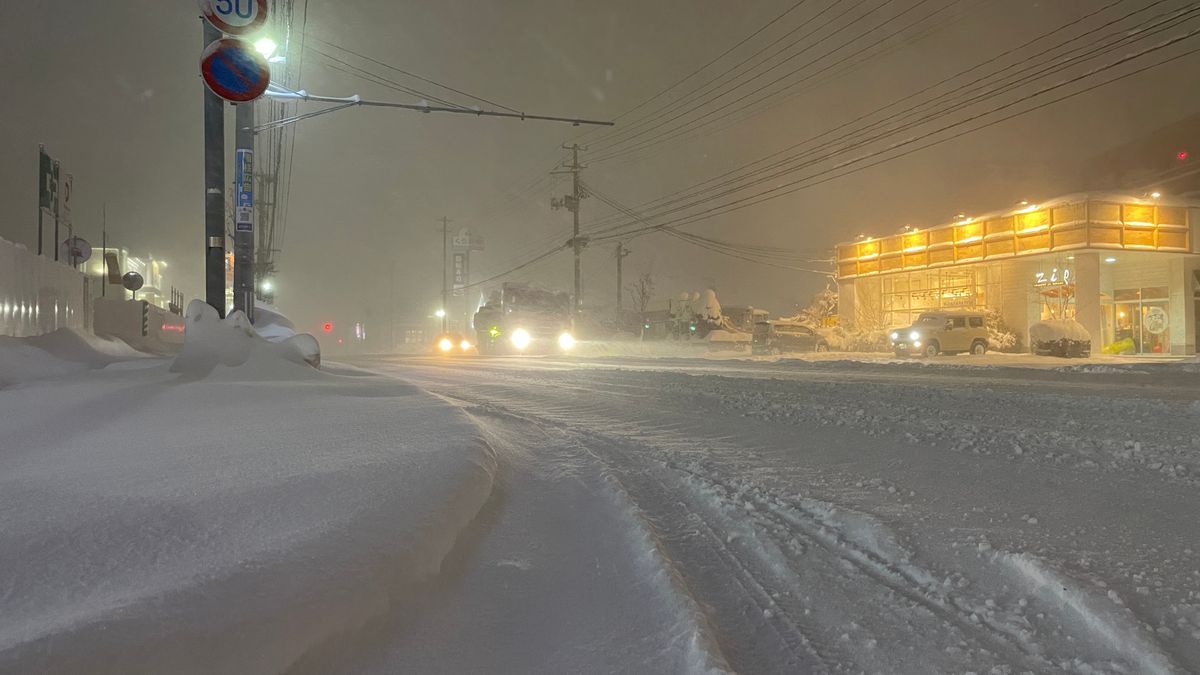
445,344
520,338
566,341
895,336
914,335
464,345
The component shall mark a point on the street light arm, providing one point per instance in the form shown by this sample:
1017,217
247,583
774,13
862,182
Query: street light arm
282,93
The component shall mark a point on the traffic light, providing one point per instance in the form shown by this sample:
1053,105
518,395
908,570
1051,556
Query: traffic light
1182,155
327,327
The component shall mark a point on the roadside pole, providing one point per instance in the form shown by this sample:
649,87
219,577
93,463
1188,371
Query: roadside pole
214,190
243,222
445,285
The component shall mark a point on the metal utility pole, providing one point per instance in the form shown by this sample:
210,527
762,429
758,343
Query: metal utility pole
104,250
621,253
243,220
214,190
445,286
571,202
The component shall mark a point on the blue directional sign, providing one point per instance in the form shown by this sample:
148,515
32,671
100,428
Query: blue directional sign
243,178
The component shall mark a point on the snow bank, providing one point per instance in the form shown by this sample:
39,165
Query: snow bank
61,352
1058,329
232,342
139,534
271,324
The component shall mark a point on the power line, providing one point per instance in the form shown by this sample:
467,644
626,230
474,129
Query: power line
720,56
412,75
638,128
837,171
698,123
696,190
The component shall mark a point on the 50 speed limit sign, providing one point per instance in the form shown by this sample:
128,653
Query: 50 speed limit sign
235,17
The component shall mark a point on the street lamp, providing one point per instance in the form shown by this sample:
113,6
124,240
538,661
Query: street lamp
441,314
265,46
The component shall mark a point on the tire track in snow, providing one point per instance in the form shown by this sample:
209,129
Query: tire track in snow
648,463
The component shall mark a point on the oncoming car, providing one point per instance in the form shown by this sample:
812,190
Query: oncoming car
947,332
453,343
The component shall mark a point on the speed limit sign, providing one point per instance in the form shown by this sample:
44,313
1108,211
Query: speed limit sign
235,17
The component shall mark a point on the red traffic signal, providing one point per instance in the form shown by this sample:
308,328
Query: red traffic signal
327,327
1182,155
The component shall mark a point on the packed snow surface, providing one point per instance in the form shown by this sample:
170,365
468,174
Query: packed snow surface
236,509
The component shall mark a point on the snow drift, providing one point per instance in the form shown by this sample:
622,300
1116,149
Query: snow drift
139,534
211,341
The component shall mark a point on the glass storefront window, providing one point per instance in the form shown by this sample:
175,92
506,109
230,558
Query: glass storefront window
1140,321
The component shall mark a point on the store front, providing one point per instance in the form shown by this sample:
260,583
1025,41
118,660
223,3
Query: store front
1125,269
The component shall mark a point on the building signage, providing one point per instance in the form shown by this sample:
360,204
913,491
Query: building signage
1055,277
460,270
243,180
1155,320
464,240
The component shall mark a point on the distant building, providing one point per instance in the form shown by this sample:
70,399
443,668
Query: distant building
1126,267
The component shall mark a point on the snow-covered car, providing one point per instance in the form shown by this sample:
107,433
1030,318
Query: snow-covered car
948,332
778,337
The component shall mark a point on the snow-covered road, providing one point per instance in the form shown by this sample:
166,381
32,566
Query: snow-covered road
827,517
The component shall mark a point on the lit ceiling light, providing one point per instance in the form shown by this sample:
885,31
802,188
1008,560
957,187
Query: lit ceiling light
1110,260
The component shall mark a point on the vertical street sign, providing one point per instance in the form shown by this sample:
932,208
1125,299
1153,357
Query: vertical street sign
56,206
47,191
460,272
68,188
244,191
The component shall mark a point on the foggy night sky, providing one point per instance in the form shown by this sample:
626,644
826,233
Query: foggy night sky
112,89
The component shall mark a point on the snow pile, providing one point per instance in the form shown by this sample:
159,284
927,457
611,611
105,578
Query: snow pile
61,352
1058,329
211,341
271,324
231,520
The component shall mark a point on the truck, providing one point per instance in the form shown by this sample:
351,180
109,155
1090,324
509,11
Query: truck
519,318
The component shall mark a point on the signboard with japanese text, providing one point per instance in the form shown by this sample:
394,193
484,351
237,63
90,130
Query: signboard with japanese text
243,188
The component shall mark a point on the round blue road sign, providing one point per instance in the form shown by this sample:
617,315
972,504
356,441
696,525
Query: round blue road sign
233,70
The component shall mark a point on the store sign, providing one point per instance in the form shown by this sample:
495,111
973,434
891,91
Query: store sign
460,270
1054,277
1155,320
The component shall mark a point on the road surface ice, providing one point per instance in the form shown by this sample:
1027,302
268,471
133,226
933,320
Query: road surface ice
236,510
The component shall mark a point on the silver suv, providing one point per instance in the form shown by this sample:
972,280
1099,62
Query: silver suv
948,332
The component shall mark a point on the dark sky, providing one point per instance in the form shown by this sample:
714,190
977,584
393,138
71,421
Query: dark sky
113,90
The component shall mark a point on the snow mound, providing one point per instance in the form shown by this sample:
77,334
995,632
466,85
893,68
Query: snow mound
271,324
232,342
61,352
1058,329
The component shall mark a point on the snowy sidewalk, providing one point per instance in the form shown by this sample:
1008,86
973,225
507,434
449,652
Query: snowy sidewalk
228,521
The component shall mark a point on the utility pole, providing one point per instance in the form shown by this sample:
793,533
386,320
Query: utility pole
445,286
214,190
104,250
243,219
571,202
621,253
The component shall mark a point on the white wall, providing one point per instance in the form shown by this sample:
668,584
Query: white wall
38,295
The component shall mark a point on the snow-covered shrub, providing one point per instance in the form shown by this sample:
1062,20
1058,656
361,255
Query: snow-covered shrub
1000,338
1060,337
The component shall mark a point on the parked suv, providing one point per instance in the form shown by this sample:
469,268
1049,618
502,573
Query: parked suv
936,333
777,337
